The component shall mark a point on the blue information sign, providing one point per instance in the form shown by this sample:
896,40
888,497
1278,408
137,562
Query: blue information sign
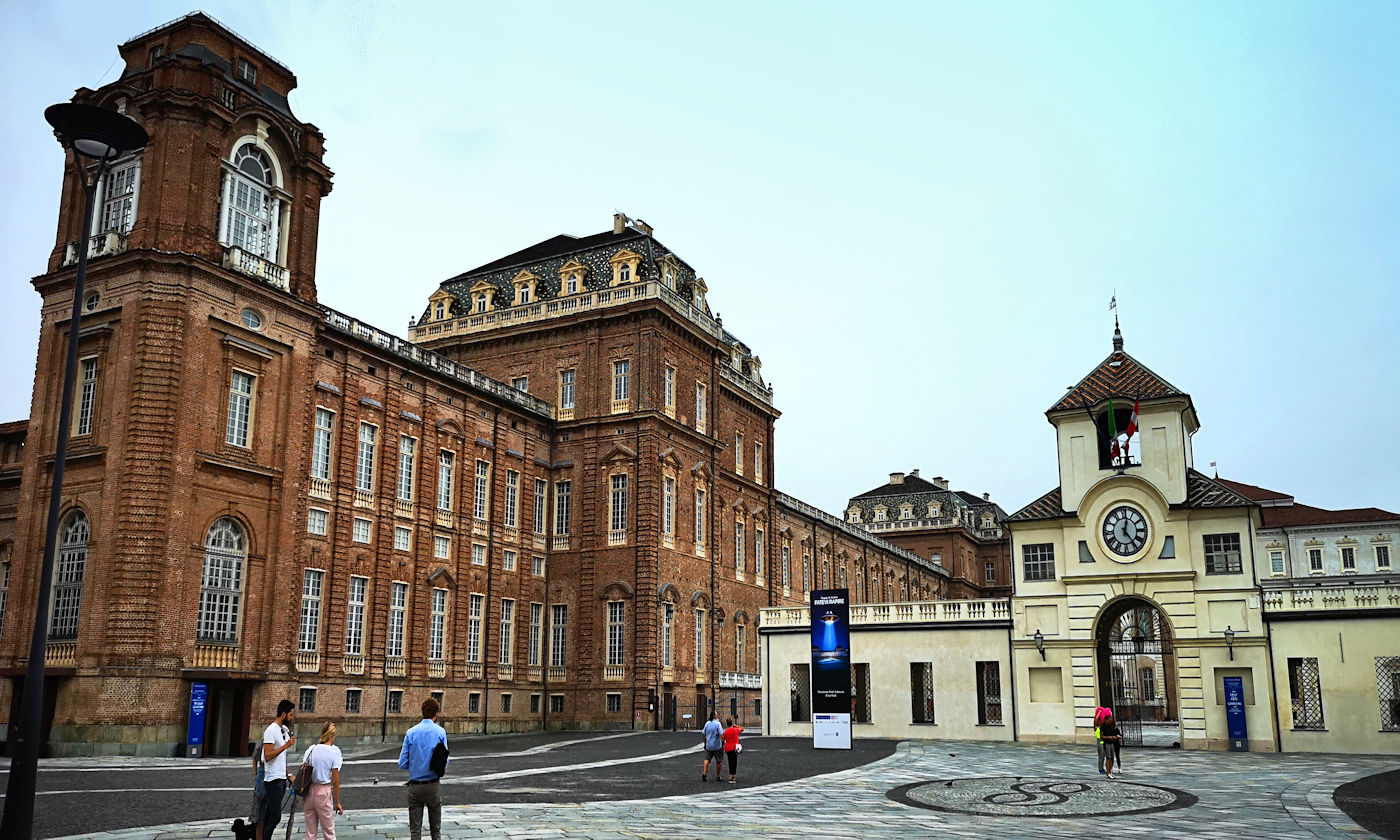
1234,714
194,740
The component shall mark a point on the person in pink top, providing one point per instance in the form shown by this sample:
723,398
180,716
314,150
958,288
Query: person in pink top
731,746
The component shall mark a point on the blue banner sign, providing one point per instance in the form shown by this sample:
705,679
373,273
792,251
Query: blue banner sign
831,669
194,740
1234,714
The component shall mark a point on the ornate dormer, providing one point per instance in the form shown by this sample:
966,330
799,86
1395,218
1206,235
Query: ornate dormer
697,292
483,294
624,267
1123,418
671,271
571,277
526,284
440,305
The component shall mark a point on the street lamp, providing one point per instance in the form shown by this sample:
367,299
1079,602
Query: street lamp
1230,641
97,137
1040,643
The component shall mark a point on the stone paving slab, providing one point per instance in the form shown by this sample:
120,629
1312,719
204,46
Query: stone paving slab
1240,795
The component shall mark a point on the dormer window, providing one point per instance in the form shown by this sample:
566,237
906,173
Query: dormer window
571,285
524,283
906,511
483,296
523,295
853,515
624,266
439,310
624,274
156,52
933,510
880,512
483,301
247,72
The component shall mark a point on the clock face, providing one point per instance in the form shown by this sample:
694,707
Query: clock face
1124,531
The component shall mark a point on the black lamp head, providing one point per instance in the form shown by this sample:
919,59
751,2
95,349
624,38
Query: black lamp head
1229,635
93,132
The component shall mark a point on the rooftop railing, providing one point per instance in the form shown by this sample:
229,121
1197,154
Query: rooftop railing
909,612
855,532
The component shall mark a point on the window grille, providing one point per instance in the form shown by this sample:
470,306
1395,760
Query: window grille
989,693
352,700
801,693
861,711
222,588
68,577
1305,691
614,703
556,704
921,691
1038,561
306,700
474,703
1388,690
506,703
394,702
1222,554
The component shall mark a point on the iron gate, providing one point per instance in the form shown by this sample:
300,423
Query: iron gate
1137,660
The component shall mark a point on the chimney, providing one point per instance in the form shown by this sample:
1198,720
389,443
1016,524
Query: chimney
914,473
940,482
642,226
986,497
896,478
619,223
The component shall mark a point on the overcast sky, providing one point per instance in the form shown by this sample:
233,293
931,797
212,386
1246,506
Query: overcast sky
914,213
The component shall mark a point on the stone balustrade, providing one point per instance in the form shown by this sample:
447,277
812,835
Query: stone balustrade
911,612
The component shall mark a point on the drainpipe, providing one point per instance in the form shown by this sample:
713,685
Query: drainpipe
1269,643
490,568
550,512
714,535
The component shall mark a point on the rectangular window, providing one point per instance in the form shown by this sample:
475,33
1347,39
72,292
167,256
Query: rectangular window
668,506
758,556
507,630
1388,691
1315,560
758,462
474,703
447,464
440,698
800,684
512,498
1148,680
1305,690
1382,557
534,704
739,453
398,605
739,548
1222,554
520,383
505,703
670,392
317,522
87,396
806,575
739,647
622,380
360,530
475,606
990,572
352,701
119,198
558,627
861,711
787,567
437,623
617,503
536,631
615,630
699,516
483,483
508,560
1276,563
4,592
566,389
364,463
1348,553
306,699
537,565
989,693
408,448
556,704
699,408
1038,561
310,638
921,691
699,640
478,554
562,511
321,444
394,702
668,625
442,547
403,538
614,703
240,408
355,617
247,72
540,486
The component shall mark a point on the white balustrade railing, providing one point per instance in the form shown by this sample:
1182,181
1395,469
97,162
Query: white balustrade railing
910,612
1361,597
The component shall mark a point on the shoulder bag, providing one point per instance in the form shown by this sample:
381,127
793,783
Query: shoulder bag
302,783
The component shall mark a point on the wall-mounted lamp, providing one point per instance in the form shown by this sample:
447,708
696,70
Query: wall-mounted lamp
1230,641
1040,643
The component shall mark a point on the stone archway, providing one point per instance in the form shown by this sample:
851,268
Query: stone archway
1136,670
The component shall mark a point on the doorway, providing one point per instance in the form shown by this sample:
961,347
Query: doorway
227,718
1137,672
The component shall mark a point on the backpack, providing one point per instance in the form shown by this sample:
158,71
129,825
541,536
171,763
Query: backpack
302,783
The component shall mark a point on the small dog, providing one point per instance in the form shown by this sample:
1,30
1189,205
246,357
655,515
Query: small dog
244,831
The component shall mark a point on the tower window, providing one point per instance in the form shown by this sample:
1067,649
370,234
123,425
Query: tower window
247,72
251,216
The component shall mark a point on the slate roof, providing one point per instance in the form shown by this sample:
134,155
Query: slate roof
912,484
1202,491
1121,376
1258,494
556,246
1046,507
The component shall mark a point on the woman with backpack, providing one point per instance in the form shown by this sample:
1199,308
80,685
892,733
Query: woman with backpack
322,799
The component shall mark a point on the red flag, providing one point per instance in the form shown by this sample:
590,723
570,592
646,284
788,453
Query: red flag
1133,421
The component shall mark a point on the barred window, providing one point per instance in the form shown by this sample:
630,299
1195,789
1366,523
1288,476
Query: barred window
536,631
355,617
306,699
562,512
352,701
1305,692
507,630
68,577
474,609
556,704
861,711
614,702
408,449
240,408
1388,690
800,684
989,693
87,396
398,606
394,702
437,622
615,631
364,463
474,703
1038,561
310,637
1222,554
321,444
921,691
221,592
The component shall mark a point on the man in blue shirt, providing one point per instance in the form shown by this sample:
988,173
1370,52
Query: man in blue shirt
714,746
423,788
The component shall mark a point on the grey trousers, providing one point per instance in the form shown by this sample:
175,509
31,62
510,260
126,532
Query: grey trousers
418,796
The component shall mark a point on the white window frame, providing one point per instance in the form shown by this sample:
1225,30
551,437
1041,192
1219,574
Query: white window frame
758,463
670,391
403,538
355,615
668,630
69,572
309,638
118,196
563,512
483,490
478,554
541,488
442,547
508,559
1381,552
362,528
699,640
408,458
437,624
318,522
668,508
321,443
700,407
700,516
617,502
447,466
221,587
476,605
616,622
251,210
87,396
567,379
507,631
558,635
536,634
512,512
537,565
398,610
242,391
622,380
364,457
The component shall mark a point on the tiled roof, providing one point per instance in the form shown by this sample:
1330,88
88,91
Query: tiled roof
1202,491
912,484
1046,507
1258,494
1121,376
1292,515
554,247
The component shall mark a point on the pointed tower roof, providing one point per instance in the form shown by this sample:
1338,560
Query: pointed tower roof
1119,375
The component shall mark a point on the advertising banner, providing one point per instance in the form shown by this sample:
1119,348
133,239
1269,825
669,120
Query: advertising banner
1234,714
194,740
831,669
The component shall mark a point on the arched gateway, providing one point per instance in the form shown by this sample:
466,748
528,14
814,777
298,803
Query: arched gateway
1137,672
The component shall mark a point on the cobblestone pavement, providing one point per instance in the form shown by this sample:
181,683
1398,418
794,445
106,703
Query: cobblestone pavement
1238,795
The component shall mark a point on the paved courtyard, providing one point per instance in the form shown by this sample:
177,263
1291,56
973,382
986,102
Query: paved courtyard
933,788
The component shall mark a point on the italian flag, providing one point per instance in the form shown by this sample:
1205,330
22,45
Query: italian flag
1133,421
1112,421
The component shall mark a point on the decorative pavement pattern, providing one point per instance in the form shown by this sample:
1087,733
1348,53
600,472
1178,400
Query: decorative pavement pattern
1022,797
1238,795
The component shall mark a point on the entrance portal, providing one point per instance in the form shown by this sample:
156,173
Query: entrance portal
1137,672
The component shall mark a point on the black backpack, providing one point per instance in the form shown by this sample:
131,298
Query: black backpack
438,762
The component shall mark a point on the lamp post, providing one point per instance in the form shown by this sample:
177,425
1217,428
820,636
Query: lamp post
96,137
1230,641
1040,643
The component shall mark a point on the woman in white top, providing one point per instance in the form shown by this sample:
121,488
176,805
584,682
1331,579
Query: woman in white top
323,800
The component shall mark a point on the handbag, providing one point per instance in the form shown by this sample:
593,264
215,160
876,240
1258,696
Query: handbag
302,783
738,748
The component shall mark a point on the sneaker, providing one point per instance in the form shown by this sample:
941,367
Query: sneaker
1110,776
1100,771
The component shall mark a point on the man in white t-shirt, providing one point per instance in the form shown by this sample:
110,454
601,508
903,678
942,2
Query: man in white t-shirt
276,740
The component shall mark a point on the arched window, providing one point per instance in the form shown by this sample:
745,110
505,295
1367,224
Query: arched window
571,285
68,576
225,549
624,274
251,215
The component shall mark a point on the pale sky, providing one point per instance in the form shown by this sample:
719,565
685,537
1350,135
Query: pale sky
914,213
